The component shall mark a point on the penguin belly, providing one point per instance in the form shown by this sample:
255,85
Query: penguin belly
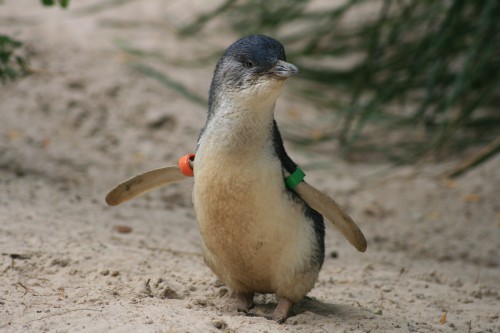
256,237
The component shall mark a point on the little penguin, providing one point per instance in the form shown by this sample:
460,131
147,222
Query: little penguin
258,236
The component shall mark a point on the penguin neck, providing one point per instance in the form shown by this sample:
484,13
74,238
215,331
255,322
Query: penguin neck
239,126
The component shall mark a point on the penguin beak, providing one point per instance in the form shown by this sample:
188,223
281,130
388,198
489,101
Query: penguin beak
284,69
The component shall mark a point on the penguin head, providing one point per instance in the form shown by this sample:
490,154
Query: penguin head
254,67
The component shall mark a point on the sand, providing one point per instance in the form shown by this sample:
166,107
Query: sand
86,120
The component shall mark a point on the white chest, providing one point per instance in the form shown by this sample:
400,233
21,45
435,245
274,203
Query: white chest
253,233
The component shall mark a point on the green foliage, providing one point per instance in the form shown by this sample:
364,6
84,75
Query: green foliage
62,3
12,65
431,66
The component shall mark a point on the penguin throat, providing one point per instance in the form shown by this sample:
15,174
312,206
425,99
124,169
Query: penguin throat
239,129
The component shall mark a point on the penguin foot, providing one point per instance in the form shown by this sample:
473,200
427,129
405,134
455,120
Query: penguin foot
282,310
279,314
244,302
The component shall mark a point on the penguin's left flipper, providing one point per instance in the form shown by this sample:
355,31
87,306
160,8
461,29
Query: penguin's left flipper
317,200
327,207
144,183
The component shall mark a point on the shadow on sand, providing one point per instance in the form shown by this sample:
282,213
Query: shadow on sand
341,311
309,305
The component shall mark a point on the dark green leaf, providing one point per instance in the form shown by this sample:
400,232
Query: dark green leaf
64,3
48,2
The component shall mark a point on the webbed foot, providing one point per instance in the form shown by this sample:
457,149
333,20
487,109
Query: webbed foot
282,310
279,314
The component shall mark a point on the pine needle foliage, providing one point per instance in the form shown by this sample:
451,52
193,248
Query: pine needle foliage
414,65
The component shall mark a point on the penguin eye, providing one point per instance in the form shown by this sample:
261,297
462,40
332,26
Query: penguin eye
248,64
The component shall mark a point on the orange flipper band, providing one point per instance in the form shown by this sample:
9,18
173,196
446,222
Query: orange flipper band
184,165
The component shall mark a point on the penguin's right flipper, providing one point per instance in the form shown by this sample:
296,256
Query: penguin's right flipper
143,183
326,206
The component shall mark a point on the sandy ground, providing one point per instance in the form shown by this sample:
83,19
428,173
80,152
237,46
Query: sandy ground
87,121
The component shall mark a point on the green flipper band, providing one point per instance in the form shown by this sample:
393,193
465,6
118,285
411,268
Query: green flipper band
295,178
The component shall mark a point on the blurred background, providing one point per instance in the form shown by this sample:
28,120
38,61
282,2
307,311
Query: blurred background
395,114
399,80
